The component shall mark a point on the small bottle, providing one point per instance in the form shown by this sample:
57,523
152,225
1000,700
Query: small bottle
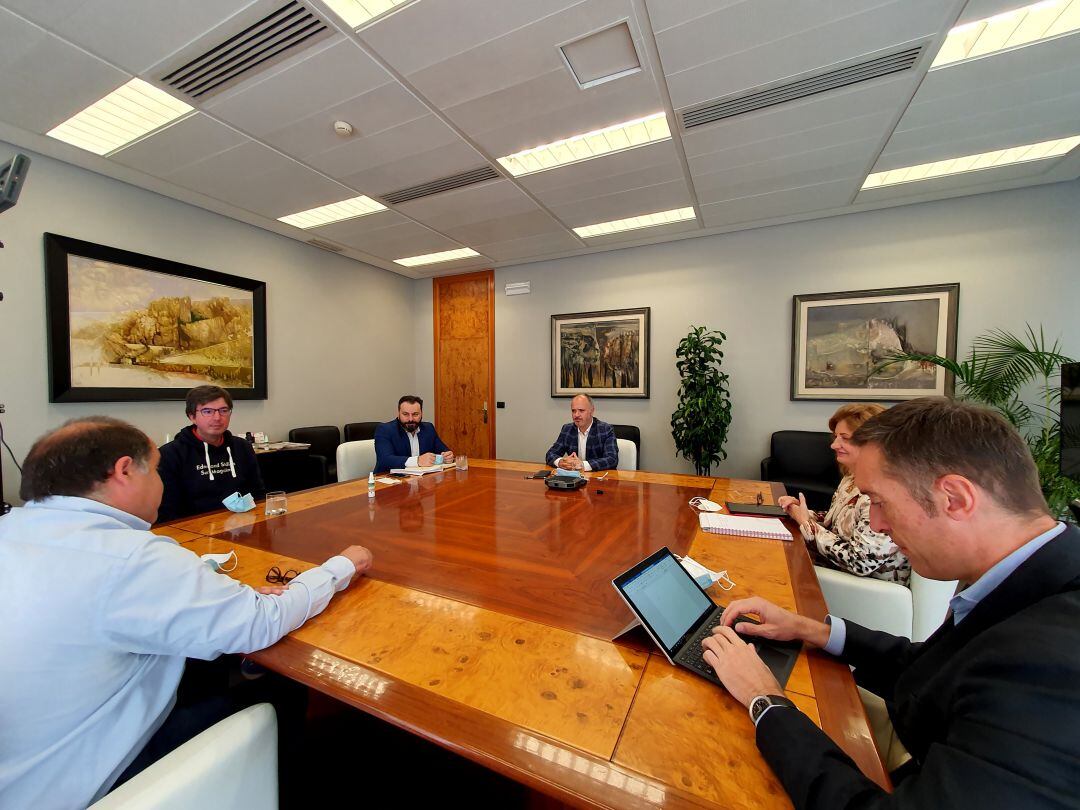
371,485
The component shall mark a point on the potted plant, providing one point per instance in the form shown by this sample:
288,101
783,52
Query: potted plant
1000,371
700,422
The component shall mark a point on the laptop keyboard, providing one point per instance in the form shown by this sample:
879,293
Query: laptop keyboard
693,654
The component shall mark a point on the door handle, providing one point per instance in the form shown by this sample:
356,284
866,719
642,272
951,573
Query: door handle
485,409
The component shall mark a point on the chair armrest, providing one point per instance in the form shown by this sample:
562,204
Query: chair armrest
766,465
873,603
930,602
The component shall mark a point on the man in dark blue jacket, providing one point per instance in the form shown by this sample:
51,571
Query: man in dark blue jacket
205,463
408,441
584,443
989,705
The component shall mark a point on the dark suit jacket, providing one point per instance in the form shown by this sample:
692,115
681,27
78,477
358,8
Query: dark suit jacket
601,450
989,709
392,444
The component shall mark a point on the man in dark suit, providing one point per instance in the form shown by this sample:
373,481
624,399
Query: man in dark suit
584,443
408,441
988,706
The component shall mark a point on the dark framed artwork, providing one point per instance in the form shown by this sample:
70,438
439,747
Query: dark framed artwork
840,338
602,354
124,327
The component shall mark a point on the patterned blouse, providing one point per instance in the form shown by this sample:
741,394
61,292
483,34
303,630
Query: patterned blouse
845,541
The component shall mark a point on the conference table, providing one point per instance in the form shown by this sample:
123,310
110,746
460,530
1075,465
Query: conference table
487,622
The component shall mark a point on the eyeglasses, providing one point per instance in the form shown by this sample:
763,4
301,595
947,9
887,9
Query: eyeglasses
208,412
274,575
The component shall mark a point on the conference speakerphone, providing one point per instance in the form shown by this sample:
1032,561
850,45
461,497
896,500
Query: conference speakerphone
677,614
565,482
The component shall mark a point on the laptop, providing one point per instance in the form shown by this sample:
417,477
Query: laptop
678,614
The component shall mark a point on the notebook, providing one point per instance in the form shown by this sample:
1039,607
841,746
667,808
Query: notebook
421,470
678,614
717,523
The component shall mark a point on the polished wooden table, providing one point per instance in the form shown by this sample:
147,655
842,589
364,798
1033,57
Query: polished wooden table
486,626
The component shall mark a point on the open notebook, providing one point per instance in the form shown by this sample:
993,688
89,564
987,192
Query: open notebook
717,523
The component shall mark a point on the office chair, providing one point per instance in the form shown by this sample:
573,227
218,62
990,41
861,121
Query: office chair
233,763
802,461
627,455
324,441
358,431
630,433
355,459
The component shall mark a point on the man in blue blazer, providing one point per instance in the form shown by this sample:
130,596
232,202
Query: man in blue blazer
408,441
585,443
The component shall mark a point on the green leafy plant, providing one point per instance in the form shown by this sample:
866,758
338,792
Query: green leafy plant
1018,377
700,423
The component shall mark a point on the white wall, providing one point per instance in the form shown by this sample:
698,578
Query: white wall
1014,254
337,350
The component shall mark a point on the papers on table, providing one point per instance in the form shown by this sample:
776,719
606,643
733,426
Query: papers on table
420,470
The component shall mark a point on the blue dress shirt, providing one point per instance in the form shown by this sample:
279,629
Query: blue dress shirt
99,615
964,602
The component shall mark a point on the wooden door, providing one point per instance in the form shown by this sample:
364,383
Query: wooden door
464,313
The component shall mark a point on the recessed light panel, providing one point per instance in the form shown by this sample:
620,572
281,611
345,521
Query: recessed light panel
435,258
635,223
125,115
357,12
972,163
1021,26
616,138
602,57
334,212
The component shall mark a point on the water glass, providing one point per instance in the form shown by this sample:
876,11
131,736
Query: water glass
277,503
461,462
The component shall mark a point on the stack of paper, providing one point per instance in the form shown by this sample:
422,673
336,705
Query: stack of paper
420,470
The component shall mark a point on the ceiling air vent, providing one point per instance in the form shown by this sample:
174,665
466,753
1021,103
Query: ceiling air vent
804,87
271,39
461,180
319,243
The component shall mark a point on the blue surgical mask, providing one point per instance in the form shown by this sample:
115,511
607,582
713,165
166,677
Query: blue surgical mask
569,473
239,503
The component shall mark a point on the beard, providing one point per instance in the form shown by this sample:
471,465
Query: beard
411,427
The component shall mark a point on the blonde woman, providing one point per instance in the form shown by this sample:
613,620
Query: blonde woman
843,539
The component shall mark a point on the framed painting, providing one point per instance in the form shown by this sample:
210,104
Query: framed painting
124,327
839,339
602,354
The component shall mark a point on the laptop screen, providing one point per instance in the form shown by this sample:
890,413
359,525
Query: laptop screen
665,596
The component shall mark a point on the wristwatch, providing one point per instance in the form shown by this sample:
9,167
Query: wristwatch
761,703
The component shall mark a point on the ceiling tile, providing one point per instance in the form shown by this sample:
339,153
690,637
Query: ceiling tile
260,180
296,89
746,210
530,247
619,205
46,80
188,141
131,35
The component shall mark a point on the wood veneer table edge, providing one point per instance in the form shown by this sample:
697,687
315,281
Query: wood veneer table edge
838,699
470,732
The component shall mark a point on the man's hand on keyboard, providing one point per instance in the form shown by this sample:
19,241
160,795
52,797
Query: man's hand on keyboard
738,666
775,622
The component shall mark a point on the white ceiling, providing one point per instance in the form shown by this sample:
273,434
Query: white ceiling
444,86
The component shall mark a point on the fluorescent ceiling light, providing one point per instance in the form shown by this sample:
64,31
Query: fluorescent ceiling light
357,12
616,138
634,223
435,258
334,212
1012,29
125,115
973,163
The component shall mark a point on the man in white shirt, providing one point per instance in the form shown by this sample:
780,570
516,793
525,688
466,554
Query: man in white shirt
100,615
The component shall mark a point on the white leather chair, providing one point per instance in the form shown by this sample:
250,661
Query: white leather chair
913,612
232,764
627,455
355,459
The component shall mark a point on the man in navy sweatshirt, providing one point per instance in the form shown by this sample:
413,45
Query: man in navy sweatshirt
205,463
